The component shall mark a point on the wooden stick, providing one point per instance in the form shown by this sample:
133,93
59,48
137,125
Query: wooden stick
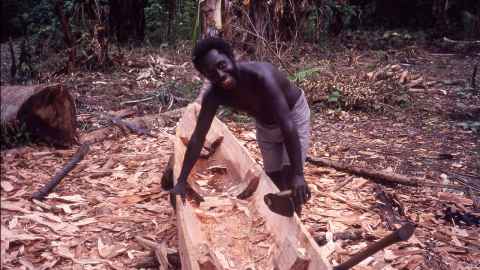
76,158
378,176
137,100
470,42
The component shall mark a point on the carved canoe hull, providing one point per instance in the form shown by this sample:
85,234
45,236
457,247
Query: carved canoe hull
254,237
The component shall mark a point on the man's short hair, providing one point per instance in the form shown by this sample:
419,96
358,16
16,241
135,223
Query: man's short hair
205,45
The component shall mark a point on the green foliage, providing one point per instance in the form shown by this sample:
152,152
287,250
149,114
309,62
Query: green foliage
187,19
41,19
154,11
335,95
156,20
329,14
35,19
154,27
303,74
471,24
350,14
13,17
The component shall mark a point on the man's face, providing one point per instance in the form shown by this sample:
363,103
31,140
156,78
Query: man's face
219,69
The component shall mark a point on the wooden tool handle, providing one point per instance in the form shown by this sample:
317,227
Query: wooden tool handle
401,234
285,193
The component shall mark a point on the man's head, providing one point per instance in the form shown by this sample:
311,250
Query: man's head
213,57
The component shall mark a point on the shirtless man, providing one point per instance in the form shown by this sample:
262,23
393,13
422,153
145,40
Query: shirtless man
280,110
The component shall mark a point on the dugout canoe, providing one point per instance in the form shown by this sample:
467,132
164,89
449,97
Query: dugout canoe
224,231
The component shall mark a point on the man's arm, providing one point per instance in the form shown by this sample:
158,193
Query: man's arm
207,112
281,112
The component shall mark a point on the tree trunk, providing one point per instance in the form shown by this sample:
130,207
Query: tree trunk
279,20
439,11
140,20
100,45
13,66
211,18
67,35
172,18
100,33
46,112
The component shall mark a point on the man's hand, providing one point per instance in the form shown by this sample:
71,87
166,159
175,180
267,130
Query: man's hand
301,192
180,189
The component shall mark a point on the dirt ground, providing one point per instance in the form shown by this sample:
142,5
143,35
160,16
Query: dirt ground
114,195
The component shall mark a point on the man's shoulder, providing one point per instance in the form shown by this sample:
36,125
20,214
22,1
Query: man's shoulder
255,65
259,69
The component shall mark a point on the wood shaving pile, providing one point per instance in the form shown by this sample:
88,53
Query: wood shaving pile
91,219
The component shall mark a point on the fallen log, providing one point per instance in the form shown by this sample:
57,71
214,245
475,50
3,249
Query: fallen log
380,177
47,112
77,157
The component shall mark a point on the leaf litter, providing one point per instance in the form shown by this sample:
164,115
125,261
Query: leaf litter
86,222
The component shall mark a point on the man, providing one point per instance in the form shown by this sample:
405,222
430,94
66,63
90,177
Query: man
280,109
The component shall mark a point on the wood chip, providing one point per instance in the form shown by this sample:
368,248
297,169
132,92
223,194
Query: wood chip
6,186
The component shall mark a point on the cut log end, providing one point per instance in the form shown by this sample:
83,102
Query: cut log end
46,112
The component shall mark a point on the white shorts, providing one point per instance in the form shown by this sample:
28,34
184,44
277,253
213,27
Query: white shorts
271,142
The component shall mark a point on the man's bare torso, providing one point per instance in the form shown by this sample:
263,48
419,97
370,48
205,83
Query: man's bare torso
249,93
